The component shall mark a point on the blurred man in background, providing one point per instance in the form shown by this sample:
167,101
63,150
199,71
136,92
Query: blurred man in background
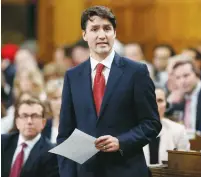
189,87
134,52
162,53
195,55
80,52
25,153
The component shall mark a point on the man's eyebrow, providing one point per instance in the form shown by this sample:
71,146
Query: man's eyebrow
105,25
93,26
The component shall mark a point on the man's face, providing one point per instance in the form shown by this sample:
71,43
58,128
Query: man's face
185,78
161,55
133,52
80,54
100,36
191,54
30,121
161,101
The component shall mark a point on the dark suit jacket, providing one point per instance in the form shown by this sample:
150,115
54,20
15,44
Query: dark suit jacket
47,131
40,162
181,107
9,73
128,112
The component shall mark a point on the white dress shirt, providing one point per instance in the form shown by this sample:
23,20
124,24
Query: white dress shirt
27,150
54,134
193,105
107,62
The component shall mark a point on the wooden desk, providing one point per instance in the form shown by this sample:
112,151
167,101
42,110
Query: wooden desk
163,171
196,143
180,164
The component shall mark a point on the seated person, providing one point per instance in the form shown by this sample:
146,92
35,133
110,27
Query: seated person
54,92
7,122
187,97
172,136
25,153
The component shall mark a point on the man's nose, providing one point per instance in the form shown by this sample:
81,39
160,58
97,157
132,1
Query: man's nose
29,120
182,82
101,34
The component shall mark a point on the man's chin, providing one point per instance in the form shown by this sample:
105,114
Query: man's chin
103,51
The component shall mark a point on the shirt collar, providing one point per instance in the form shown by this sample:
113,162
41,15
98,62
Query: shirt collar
195,92
30,143
197,89
107,62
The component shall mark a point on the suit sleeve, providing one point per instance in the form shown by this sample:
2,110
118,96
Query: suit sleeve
49,166
66,127
149,124
2,153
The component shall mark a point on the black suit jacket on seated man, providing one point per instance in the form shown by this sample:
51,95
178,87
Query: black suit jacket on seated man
181,107
40,162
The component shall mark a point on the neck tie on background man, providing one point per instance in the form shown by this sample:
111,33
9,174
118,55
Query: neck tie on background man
99,87
17,166
187,113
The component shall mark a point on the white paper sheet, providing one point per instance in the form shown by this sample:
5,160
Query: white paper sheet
79,147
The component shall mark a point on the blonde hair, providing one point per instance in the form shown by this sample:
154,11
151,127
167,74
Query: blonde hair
53,69
53,85
36,79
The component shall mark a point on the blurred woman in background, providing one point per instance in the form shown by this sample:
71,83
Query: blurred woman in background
54,92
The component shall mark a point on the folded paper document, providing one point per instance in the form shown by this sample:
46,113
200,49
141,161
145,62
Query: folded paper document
79,147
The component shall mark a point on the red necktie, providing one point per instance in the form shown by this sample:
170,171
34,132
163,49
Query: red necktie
17,166
99,87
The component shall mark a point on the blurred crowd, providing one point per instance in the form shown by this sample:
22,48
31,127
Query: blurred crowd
23,77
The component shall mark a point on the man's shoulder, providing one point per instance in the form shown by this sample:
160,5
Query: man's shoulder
9,136
134,66
78,68
131,62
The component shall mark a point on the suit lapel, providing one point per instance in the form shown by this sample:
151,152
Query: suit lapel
34,154
115,74
84,81
9,153
198,116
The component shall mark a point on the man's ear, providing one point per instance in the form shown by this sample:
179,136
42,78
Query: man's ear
84,35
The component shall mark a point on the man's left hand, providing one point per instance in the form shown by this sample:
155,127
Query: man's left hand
107,143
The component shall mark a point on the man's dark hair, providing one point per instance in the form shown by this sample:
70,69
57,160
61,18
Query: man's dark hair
100,11
181,63
169,47
68,50
29,102
197,53
81,43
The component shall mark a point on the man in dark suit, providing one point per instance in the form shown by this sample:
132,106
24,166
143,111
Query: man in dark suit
111,98
25,154
188,96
